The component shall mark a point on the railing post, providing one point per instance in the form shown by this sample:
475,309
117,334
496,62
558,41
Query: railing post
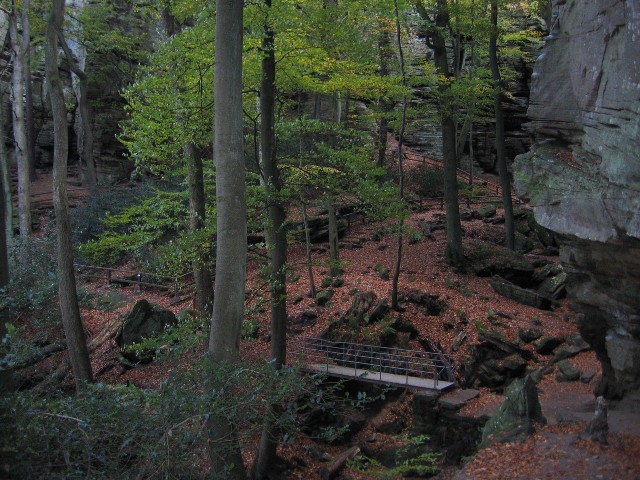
108,277
138,279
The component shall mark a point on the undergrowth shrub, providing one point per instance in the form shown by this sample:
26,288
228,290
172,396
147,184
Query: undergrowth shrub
33,286
153,232
87,219
126,432
412,459
428,181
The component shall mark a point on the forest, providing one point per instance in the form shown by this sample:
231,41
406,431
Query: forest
335,239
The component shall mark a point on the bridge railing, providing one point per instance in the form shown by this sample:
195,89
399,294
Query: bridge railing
373,360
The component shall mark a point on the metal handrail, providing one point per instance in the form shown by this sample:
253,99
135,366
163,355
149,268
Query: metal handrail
372,358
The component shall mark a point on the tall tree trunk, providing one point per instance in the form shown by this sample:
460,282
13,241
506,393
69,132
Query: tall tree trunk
231,254
28,90
5,181
197,216
4,256
313,291
19,132
334,251
454,250
73,329
305,218
505,181
85,134
398,265
384,52
5,375
276,243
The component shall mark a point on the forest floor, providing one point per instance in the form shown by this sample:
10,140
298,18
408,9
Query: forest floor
554,451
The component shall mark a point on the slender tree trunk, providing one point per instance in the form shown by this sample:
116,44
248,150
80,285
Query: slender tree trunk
231,254
334,251
19,132
5,375
28,90
505,181
201,272
85,134
276,244
5,181
4,256
5,216
384,48
398,265
454,250
313,291
74,331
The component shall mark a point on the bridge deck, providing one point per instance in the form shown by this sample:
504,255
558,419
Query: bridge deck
380,377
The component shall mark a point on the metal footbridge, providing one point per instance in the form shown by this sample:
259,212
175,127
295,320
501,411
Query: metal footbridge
372,363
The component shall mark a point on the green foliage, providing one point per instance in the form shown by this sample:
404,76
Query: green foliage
250,329
188,335
107,302
126,432
13,347
153,231
412,459
428,181
382,271
33,286
116,38
87,219
170,102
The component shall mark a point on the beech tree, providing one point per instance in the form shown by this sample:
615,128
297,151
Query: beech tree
276,234
73,329
5,181
436,24
5,376
28,89
505,180
85,133
231,247
19,126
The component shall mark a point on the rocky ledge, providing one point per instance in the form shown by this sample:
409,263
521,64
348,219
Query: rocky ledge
582,176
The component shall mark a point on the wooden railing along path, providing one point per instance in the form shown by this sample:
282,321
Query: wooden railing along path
133,277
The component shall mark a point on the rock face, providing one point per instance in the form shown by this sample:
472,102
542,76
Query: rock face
582,175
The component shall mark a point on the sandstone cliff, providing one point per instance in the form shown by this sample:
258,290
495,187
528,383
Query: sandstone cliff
582,176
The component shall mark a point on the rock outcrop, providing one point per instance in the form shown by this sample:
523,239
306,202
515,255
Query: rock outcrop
582,176
144,321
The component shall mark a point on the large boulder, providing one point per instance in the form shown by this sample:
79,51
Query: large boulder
517,414
520,295
582,175
493,362
145,320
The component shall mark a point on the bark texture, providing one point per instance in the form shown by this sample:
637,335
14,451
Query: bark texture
505,180
276,243
85,134
73,329
454,229
28,90
19,129
197,216
231,248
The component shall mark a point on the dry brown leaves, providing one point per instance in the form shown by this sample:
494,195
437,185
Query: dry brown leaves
553,452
